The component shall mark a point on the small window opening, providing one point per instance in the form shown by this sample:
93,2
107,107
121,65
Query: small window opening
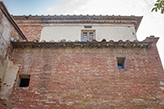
23,81
120,62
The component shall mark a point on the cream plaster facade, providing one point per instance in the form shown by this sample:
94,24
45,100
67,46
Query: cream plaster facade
72,32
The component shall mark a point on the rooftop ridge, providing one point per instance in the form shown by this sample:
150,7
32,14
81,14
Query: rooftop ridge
76,15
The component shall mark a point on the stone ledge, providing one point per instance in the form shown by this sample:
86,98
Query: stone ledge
82,44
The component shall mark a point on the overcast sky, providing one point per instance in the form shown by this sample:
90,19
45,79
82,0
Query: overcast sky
151,24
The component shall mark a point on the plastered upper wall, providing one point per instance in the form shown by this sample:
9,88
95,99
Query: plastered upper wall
103,31
58,27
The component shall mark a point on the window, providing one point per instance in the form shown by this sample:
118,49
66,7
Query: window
120,62
87,35
23,80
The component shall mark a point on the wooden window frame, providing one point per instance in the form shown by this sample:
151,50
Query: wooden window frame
88,35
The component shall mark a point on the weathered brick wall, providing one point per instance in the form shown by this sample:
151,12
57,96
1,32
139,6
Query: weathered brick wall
3,104
8,31
31,31
89,78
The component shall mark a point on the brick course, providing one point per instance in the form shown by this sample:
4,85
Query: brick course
89,78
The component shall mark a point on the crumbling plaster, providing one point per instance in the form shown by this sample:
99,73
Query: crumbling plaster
10,71
3,66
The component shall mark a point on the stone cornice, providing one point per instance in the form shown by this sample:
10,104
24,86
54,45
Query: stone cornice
147,43
82,44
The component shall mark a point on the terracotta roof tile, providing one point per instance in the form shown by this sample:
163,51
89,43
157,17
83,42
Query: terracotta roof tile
92,19
63,43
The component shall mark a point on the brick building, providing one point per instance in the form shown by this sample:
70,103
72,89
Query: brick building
78,61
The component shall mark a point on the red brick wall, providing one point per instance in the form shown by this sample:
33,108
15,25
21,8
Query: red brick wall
31,31
3,104
8,31
89,78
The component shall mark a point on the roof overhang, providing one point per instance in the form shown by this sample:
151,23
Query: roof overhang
110,44
79,19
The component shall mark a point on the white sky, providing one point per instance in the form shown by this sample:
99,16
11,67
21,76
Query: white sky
151,24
